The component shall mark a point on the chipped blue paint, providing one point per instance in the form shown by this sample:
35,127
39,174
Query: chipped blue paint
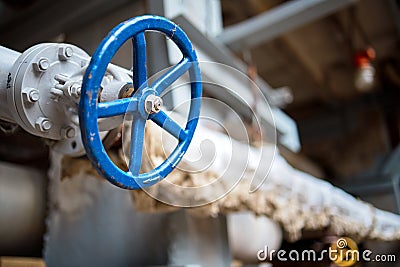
90,110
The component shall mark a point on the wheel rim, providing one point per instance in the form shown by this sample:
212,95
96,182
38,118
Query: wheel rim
90,110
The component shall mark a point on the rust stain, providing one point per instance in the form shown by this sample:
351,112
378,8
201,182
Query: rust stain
90,94
118,183
128,92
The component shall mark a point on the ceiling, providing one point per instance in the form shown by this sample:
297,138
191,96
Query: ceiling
346,131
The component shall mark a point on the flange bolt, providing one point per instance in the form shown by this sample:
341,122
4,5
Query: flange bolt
65,52
43,124
67,132
41,65
30,95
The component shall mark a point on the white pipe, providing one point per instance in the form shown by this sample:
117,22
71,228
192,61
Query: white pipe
296,200
7,60
275,22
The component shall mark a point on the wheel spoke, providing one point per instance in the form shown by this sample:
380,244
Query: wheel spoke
117,107
165,122
139,61
171,76
136,147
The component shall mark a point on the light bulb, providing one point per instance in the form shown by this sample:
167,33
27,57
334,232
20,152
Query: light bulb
364,79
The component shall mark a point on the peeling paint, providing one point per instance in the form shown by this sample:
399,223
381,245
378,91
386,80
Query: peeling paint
173,31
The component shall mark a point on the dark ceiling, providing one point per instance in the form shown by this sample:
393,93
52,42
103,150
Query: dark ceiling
346,131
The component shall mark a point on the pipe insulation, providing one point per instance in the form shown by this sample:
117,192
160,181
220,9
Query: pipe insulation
296,200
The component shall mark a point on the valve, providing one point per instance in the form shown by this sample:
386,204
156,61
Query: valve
143,104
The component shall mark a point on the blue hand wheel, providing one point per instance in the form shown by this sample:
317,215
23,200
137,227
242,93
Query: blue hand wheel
138,104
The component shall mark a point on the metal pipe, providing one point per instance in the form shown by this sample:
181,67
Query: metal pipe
22,209
7,60
396,191
277,21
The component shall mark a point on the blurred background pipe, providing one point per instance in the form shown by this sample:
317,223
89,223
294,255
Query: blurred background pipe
22,210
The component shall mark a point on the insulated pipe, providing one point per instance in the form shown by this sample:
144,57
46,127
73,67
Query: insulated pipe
7,60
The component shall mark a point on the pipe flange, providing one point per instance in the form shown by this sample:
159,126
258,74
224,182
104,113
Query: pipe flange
33,98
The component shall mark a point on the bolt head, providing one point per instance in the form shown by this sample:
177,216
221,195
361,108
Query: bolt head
75,90
69,52
65,52
34,95
44,64
30,95
41,65
43,124
68,132
157,105
153,104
